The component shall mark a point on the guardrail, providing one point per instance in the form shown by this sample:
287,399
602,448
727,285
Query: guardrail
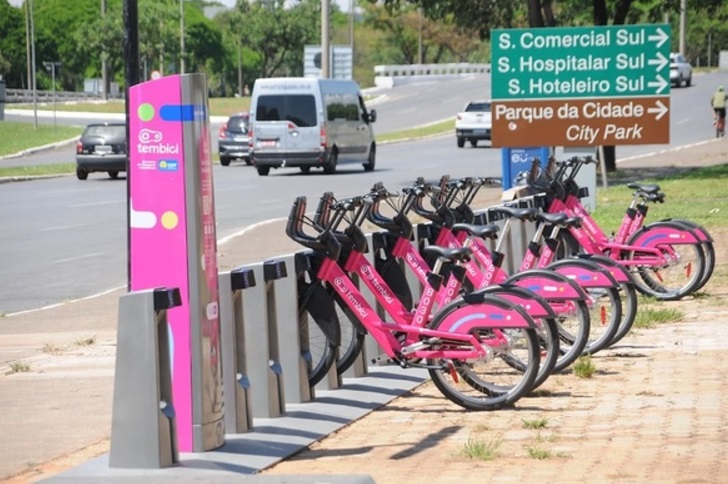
391,75
26,96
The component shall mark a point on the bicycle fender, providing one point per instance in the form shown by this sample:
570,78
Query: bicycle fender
585,273
535,305
701,231
491,313
320,306
663,233
548,284
617,270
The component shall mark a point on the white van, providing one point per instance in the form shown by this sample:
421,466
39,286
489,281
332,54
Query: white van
309,123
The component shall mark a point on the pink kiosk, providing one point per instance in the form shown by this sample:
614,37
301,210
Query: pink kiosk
173,244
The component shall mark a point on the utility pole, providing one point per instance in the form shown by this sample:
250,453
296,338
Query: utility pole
240,68
32,62
53,68
325,48
27,43
104,74
683,13
419,41
182,36
351,25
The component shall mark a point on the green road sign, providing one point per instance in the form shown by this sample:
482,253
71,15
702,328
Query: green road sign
579,62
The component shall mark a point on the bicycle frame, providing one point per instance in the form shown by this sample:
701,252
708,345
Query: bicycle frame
456,327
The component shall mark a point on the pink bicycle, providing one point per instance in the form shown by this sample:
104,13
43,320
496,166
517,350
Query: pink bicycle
668,255
481,356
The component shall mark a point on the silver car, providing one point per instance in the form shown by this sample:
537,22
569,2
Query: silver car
680,70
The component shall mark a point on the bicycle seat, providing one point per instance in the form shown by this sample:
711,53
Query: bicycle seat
490,231
458,253
551,218
519,213
644,188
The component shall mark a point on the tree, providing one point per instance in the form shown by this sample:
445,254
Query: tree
402,28
12,45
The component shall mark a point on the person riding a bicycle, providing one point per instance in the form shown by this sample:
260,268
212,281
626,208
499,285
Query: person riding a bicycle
718,103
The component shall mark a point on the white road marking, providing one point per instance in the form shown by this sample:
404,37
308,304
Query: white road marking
669,150
80,257
92,204
61,227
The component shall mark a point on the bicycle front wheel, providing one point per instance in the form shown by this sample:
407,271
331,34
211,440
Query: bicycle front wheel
319,330
492,382
352,336
677,278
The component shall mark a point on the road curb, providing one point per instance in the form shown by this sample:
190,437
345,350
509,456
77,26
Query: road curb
36,149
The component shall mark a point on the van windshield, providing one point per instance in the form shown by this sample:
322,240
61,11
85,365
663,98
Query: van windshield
299,109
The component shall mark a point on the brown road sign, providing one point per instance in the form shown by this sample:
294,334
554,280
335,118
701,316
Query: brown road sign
581,122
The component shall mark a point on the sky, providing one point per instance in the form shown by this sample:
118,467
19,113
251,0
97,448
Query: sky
343,4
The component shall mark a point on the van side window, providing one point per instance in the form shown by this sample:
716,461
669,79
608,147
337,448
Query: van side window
300,109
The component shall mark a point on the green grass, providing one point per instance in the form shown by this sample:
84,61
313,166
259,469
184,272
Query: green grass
219,106
481,449
429,130
19,367
649,317
23,171
15,137
584,367
538,423
698,195
536,452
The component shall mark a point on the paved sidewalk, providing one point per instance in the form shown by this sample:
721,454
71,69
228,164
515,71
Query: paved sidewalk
57,414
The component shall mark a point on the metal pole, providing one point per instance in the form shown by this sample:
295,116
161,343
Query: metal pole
53,89
104,74
419,41
240,68
325,48
683,13
27,43
32,63
182,36
131,77
351,24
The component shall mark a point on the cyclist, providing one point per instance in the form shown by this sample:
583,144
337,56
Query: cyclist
718,103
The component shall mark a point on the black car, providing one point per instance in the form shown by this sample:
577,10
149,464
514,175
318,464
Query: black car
232,141
102,147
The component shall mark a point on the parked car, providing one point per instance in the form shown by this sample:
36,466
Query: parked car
474,123
232,141
102,147
680,70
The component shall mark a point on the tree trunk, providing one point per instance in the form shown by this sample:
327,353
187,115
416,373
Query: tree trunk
535,19
548,13
620,11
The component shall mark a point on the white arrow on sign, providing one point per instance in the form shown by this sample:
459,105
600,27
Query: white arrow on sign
660,83
660,62
660,37
660,110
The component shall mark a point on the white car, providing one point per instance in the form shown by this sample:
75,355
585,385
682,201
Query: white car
680,70
474,123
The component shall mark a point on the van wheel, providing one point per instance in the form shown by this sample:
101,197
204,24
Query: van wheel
248,161
369,165
473,143
304,169
81,174
224,161
330,167
461,142
113,174
263,170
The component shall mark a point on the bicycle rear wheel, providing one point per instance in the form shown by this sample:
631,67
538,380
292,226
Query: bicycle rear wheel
679,277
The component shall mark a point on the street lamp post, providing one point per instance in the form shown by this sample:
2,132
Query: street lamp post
182,36
32,64
53,67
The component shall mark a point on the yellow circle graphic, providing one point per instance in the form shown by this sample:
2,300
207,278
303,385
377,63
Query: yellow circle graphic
169,220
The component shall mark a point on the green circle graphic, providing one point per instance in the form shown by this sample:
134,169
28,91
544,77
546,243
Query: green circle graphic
146,112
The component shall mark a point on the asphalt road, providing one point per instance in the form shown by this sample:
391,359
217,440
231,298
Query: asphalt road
64,239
